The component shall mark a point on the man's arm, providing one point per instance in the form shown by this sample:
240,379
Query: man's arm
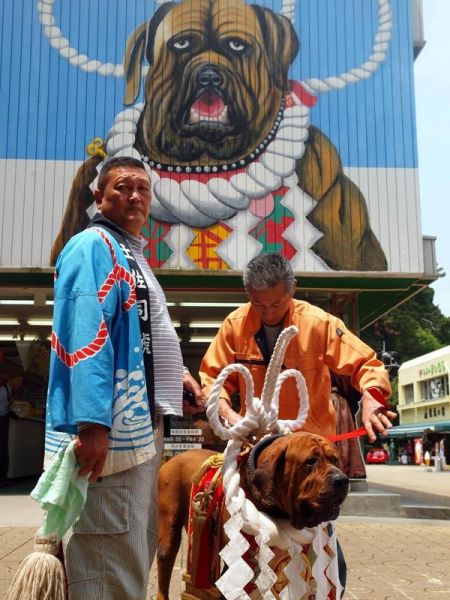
346,354
375,415
220,354
91,450
82,363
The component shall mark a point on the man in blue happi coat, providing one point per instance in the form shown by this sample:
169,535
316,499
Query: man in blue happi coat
116,370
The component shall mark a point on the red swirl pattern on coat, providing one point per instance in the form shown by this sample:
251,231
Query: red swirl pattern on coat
70,359
117,274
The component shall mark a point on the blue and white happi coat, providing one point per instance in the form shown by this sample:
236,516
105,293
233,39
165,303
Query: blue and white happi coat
96,367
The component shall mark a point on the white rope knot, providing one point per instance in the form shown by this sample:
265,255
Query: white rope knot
261,415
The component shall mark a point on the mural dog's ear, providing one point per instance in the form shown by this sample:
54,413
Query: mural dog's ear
141,39
282,44
132,64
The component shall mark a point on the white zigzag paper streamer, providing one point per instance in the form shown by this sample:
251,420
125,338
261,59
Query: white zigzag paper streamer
297,586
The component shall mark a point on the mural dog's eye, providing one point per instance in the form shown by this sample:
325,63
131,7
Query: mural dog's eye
181,44
237,45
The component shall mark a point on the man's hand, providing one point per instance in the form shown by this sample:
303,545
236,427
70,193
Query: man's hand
375,417
191,385
227,413
91,450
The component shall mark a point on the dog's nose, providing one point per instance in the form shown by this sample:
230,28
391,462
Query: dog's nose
208,75
339,480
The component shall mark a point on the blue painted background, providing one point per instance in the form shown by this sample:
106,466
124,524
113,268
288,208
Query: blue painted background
52,110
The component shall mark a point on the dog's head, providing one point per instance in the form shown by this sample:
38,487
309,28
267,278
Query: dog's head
218,72
298,476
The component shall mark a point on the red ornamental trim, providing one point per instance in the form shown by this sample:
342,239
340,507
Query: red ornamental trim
73,358
118,274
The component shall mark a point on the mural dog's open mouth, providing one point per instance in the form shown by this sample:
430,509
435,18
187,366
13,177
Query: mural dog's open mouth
209,106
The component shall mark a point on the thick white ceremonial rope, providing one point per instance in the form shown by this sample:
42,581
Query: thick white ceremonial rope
272,385
381,44
365,70
62,44
262,418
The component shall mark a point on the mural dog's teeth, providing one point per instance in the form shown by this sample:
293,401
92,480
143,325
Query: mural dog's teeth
223,117
194,116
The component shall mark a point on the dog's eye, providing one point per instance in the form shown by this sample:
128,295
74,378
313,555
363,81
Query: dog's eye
181,44
237,45
311,462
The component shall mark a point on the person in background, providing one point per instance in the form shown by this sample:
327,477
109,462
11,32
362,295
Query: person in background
248,336
7,390
116,370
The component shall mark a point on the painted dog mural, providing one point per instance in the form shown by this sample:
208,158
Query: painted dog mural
237,167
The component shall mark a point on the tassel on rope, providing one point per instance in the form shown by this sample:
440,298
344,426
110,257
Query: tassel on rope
40,575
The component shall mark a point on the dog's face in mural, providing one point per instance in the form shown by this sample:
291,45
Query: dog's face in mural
218,72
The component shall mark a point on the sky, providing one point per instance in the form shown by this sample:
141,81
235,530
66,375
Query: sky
432,84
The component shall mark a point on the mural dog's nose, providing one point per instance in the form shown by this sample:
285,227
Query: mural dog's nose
209,75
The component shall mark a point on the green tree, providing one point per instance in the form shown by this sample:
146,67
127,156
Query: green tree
414,328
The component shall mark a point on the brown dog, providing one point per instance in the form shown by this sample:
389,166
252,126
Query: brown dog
296,477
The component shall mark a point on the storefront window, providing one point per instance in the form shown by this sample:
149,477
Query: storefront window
434,388
408,393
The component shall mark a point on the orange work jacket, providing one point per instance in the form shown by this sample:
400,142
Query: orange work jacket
323,343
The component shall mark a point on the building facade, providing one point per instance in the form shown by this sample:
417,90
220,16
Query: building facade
276,125
424,396
424,403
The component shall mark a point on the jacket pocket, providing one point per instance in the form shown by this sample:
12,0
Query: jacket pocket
303,364
249,360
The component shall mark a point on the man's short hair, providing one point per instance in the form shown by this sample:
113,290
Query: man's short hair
116,163
265,271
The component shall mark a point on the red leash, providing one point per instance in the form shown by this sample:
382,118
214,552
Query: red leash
347,436
378,396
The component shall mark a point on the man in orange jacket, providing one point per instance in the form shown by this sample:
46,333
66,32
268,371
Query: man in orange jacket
248,336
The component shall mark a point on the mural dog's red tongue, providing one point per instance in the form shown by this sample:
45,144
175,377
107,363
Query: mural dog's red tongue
208,106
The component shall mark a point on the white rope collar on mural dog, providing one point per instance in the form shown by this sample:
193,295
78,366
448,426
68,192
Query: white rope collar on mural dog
82,61
262,417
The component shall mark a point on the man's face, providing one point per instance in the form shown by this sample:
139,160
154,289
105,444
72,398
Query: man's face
126,198
270,305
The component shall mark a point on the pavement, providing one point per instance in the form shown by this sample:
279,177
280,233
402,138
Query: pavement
387,558
420,483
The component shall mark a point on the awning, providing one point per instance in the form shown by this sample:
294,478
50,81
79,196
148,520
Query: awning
416,429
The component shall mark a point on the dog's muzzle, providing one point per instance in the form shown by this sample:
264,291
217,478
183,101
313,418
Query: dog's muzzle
328,504
207,113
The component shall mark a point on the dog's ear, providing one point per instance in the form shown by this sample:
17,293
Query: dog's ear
153,26
282,43
265,474
142,39
132,63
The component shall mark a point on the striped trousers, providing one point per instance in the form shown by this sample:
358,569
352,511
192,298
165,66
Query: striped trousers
110,549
